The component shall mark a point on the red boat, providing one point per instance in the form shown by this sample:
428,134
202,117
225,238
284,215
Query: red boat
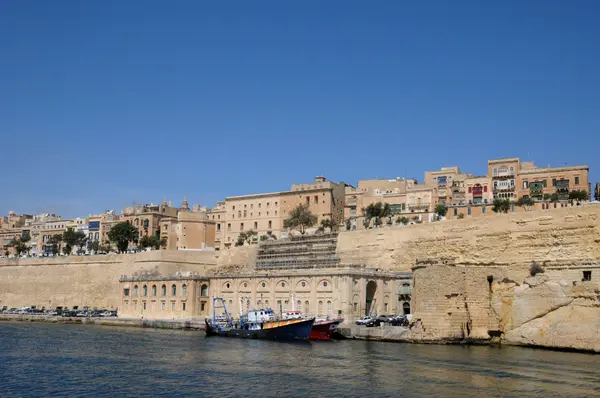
322,329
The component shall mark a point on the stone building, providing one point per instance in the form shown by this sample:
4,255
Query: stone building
184,295
266,212
513,179
449,185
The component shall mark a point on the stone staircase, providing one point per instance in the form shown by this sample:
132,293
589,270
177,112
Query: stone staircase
311,251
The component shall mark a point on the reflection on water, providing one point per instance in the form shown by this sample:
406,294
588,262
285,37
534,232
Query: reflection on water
73,360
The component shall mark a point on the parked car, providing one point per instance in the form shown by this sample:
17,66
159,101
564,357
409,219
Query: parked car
399,321
385,318
373,323
364,320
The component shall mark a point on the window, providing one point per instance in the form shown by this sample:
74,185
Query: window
154,290
469,210
145,291
270,224
202,306
495,172
355,307
144,305
126,305
329,308
173,290
251,205
163,290
308,200
316,199
184,290
303,284
218,227
587,275
163,306
135,290
255,225
183,306
259,205
483,209
299,305
306,306
456,211
228,227
485,188
264,284
275,212
470,189
173,306
126,291
241,226
577,183
204,290
525,184
554,182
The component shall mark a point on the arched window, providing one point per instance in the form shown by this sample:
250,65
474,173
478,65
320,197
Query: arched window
135,290
154,290
306,306
173,290
329,308
299,304
136,222
184,290
267,304
96,236
320,308
204,290
165,227
406,308
163,290
145,290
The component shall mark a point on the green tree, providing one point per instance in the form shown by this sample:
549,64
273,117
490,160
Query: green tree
554,197
348,224
525,201
501,206
94,246
547,197
578,196
152,242
440,210
246,237
377,211
121,234
402,220
20,244
73,238
55,240
300,218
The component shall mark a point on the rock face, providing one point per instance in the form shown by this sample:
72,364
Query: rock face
552,309
555,235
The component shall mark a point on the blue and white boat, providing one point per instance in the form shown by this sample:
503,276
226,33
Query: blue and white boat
257,324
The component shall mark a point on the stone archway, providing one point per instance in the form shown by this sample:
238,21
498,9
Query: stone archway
406,308
371,301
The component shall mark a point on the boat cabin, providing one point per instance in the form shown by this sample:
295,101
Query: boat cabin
260,316
292,315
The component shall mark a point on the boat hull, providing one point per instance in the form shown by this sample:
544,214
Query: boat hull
277,330
323,330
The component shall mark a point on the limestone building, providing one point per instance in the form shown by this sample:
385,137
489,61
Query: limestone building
513,179
266,212
184,295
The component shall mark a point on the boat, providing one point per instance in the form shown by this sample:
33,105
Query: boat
322,329
257,324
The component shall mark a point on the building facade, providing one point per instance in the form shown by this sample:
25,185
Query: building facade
169,297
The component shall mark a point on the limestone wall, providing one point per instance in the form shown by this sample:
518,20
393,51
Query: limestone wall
555,235
553,309
86,280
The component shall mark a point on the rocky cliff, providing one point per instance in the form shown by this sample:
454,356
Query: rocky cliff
558,308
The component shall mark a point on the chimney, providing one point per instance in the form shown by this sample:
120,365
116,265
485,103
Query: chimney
320,179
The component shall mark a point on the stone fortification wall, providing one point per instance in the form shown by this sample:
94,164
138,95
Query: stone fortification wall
556,308
565,234
87,280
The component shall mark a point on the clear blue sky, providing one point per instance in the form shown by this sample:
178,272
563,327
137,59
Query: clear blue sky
108,102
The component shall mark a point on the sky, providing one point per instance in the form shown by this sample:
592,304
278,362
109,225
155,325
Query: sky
108,103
